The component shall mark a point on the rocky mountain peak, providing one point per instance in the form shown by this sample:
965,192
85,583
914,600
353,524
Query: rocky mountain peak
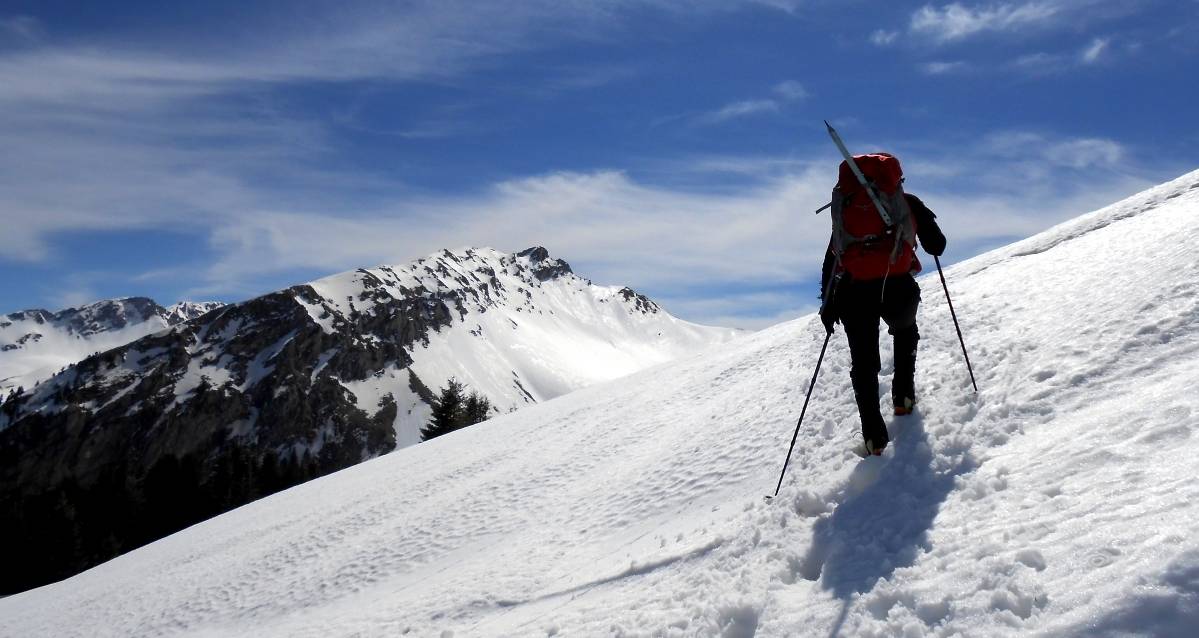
188,310
108,315
544,268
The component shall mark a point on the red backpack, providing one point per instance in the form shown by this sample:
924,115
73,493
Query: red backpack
868,246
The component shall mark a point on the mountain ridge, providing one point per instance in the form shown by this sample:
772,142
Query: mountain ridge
35,343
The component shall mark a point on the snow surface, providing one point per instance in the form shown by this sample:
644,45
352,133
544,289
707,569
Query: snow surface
1061,501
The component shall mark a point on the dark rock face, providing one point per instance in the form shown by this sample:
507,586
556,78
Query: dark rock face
544,268
642,303
186,311
227,407
108,315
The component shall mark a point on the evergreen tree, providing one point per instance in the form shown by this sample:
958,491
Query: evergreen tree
448,412
477,408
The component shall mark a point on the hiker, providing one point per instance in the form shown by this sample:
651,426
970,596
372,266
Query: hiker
868,275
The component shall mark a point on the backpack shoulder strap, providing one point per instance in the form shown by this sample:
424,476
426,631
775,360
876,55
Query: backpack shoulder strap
841,238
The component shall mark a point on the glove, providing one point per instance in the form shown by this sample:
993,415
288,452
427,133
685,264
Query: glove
828,316
828,309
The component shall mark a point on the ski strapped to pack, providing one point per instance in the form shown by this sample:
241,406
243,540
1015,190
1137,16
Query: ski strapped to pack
882,210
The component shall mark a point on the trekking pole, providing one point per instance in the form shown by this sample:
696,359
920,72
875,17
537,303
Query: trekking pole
955,323
801,415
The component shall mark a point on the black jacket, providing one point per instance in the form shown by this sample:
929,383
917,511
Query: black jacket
927,232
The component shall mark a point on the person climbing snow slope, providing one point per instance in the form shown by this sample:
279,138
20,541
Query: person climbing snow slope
868,275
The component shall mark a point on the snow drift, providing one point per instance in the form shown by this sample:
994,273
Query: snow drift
1061,500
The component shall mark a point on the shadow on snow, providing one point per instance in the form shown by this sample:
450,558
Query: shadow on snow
882,523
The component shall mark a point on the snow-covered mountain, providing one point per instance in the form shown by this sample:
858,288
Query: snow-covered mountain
36,344
1060,501
266,393
519,329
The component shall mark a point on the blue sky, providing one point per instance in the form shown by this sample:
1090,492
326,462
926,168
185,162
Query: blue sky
225,149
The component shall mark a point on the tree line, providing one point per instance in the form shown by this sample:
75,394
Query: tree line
50,536
57,534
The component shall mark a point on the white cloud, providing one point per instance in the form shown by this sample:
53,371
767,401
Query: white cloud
944,68
1042,64
884,38
788,6
1086,153
737,110
786,91
791,90
74,298
624,231
1095,50
956,22
1070,153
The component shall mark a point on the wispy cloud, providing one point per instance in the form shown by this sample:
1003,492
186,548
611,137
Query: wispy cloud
1042,63
737,110
117,134
1075,153
22,29
944,68
956,21
1085,153
783,93
1095,50
790,90
788,6
622,230
883,37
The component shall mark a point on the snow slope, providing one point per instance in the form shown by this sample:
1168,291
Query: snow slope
1059,502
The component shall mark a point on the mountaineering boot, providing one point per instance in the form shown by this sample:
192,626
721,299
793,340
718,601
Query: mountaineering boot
865,391
903,383
867,448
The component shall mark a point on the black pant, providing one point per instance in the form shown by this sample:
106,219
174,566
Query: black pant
859,305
